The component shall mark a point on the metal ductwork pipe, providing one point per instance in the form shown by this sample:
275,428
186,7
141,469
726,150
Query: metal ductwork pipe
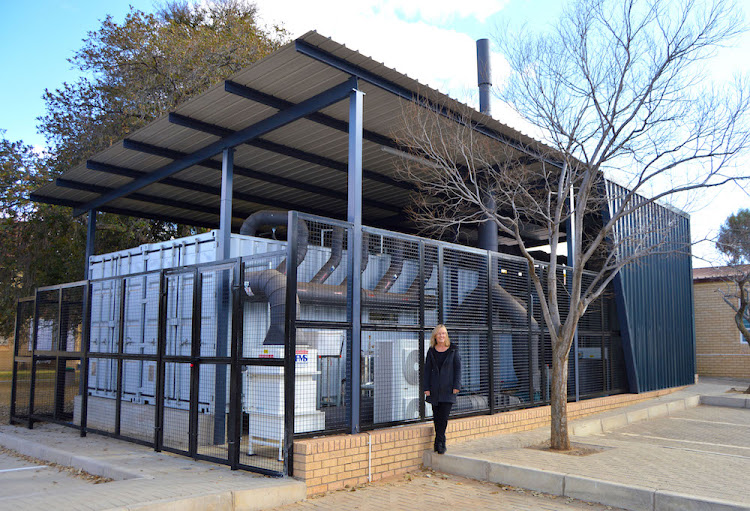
394,269
337,248
272,285
267,217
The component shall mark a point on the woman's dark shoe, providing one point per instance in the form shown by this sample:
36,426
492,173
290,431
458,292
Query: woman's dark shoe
436,445
441,448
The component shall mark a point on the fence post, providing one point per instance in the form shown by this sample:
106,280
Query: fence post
84,386
161,340
290,341
234,427
492,268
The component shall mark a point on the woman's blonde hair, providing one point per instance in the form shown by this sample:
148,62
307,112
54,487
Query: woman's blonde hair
434,334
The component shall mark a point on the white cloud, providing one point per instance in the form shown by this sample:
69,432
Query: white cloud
400,34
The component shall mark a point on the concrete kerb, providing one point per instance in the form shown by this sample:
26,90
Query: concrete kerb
588,427
728,401
286,492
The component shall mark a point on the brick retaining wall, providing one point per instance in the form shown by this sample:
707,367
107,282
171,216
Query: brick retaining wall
334,462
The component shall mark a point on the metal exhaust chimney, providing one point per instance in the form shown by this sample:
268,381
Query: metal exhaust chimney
487,229
484,75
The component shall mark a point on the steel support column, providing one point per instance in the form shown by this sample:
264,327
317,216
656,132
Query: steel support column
223,285
290,340
354,217
90,235
571,243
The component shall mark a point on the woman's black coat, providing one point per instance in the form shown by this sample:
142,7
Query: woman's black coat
441,381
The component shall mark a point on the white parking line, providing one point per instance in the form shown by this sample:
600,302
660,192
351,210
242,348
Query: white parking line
710,422
706,452
23,468
687,441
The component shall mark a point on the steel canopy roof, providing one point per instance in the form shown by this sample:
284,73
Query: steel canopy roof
301,165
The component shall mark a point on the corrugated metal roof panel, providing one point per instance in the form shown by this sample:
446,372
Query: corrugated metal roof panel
289,76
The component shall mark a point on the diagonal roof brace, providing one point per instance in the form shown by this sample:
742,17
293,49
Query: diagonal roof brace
281,118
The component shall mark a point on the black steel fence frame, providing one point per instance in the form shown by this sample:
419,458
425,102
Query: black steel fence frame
236,361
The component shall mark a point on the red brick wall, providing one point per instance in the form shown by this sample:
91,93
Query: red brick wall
334,462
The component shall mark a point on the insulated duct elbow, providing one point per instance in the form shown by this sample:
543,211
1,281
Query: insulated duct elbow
272,285
267,217
337,248
394,269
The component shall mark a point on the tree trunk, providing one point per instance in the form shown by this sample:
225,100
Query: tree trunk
559,439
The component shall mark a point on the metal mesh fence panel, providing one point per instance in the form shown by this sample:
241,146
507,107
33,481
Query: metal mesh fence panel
45,380
390,281
176,425
390,379
24,341
262,424
322,274
212,413
102,389
475,382
263,302
71,318
320,375
69,387
179,320
215,312
138,400
23,389
465,288
47,320
106,296
141,314
430,287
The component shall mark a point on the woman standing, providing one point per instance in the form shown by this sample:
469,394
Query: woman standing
442,381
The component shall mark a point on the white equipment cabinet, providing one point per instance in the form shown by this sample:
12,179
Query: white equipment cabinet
263,396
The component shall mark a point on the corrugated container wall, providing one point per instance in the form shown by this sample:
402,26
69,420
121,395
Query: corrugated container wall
654,295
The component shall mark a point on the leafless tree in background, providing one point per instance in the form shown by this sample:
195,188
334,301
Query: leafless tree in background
615,85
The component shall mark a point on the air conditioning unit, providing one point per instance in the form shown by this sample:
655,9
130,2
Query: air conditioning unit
396,386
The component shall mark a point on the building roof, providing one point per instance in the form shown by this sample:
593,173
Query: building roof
300,165
717,273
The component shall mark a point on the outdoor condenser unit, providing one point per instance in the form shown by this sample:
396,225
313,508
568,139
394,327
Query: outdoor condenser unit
396,386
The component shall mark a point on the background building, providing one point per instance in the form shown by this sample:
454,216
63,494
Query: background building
720,349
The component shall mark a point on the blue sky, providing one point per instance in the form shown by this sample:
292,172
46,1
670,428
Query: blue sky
432,41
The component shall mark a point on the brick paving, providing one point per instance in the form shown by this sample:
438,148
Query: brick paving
703,451
426,490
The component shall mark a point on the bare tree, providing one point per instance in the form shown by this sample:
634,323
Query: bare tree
616,86
734,242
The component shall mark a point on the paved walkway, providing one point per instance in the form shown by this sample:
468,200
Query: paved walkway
664,454
143,479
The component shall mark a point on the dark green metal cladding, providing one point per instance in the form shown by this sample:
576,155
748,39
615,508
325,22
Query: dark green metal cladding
654,295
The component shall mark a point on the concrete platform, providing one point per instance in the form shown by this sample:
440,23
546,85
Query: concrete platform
144,480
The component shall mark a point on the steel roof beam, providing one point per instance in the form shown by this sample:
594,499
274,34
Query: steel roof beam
298,154
142,197
212,190
320,118
134,145
123,211
281,118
